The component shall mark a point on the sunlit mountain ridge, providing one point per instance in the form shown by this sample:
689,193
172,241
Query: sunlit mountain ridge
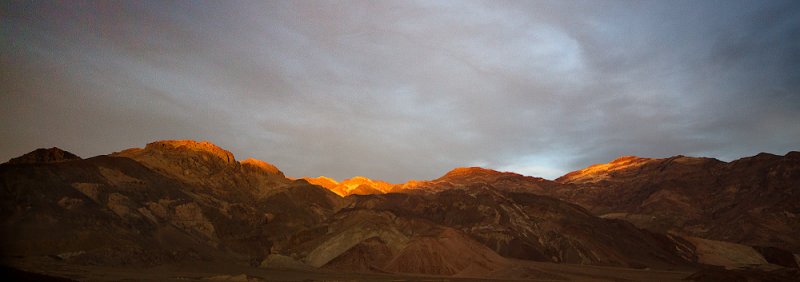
187,201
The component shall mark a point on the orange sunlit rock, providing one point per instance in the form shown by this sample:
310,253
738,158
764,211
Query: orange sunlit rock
267,167
357,185
599,172
326,182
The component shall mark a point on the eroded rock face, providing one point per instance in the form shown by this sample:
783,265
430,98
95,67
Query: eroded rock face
190,216
187,160
189,147
118,204
447,253
205,165
380,241
371,254
725,254
532,227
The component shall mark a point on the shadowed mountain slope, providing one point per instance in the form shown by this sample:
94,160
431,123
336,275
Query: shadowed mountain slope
172,200
182,200
754,200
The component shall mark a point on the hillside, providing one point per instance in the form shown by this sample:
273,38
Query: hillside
187,201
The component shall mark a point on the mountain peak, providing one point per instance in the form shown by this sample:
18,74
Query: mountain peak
359,180
43,155
185,159
191,145
328,179
354,185
764,155
469,171
265,166
351,185
472,169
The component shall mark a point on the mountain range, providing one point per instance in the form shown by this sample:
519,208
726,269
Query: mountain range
187,201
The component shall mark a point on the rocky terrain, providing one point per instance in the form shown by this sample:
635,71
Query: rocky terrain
185,201
750,219
753,201
169,201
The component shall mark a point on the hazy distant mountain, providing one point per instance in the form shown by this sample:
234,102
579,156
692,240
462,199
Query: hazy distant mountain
193,201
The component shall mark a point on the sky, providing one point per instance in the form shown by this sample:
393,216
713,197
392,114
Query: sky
400,90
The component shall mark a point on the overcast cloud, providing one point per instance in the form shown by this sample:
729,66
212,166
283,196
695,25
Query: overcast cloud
400,90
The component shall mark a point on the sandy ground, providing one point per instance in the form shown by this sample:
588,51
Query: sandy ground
208,271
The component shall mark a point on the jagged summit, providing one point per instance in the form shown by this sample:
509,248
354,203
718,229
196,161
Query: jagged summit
43,155
356,185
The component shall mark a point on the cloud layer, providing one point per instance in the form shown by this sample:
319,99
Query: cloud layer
400,90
